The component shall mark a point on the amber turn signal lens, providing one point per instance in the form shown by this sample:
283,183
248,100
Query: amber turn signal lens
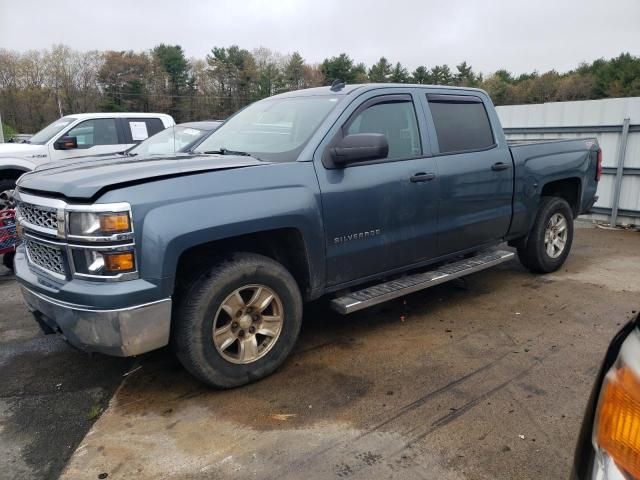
618,426
119,262
115,223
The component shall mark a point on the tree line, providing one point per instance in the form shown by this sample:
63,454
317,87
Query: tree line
38,86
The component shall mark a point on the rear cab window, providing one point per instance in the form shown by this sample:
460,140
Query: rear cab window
461,122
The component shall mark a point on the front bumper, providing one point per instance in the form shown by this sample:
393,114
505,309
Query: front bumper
122,332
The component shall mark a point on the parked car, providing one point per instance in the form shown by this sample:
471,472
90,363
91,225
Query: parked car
609,443
74,136
178,139
364,193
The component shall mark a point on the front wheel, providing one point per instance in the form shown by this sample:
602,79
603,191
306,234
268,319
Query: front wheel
7,260
550,239
239,321
6,194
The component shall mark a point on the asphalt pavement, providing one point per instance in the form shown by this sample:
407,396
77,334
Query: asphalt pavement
485,378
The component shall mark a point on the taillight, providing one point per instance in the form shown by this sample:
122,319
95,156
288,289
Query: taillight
599,165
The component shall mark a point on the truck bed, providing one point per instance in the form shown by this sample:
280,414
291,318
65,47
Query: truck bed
540,162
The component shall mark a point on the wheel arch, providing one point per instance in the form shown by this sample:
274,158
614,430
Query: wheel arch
569,189
12,172
284,245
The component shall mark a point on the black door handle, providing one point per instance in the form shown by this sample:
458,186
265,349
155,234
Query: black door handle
422,177
500,166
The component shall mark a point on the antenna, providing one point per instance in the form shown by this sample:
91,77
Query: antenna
337,85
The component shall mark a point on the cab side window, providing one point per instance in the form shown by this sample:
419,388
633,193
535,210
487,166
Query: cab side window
461,122
99,131
397,121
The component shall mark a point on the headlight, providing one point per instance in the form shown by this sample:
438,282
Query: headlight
617,428
99,224
104,262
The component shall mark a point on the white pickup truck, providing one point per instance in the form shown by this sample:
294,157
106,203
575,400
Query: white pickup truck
75,136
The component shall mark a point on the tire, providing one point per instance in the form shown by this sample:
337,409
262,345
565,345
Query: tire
7,260
535,254
7,185
208,302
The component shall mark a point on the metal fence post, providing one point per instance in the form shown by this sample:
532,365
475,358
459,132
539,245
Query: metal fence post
1,130
622,152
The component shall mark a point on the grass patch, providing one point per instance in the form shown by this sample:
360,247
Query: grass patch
94,412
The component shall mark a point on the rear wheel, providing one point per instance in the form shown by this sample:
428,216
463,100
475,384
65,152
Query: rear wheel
239,321
550,239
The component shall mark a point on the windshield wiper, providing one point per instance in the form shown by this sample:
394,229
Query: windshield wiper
225,151
126,153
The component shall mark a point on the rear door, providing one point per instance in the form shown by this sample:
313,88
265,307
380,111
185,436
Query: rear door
475,171
136,130
376,217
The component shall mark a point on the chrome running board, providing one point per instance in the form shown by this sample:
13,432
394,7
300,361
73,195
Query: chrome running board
382,292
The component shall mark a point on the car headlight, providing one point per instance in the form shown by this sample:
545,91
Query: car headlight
616,434
99,224
103,262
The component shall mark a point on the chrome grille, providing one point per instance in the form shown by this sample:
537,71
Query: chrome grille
39,216
45,256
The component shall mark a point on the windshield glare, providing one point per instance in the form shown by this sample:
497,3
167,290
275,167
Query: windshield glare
50,131
171,140
271,129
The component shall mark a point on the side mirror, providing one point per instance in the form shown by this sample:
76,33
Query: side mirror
66,143
360,147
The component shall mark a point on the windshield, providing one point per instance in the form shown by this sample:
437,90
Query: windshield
272,129
47,133
172,140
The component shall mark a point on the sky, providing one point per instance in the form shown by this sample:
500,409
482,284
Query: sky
519,35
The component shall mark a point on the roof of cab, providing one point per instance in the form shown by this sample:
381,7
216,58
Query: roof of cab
117,115
347,89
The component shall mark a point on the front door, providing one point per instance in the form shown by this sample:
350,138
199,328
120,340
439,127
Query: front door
380,215
95,136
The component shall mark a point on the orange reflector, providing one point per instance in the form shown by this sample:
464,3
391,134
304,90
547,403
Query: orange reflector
119,262
115,223
618,427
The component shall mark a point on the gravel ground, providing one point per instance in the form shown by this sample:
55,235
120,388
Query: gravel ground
482,379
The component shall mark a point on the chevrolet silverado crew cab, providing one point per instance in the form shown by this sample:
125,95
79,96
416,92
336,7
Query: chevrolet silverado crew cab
74,136
363,193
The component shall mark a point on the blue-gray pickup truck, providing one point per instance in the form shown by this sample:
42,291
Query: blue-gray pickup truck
362,193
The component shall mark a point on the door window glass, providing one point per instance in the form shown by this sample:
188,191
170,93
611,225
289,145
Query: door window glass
397,121
461,126
99,131
142,128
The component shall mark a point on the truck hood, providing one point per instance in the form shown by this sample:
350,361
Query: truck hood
85,178
21,150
